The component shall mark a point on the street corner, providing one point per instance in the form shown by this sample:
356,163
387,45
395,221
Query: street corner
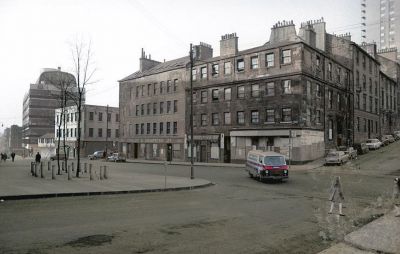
343,248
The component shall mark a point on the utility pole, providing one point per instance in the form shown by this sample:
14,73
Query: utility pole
191,113
107,129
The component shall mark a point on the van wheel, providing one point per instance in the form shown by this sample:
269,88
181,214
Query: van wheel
251,175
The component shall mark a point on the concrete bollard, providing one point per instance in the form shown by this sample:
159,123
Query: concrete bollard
165,175
36,170
105,172
69,172
101,173
85,167
48,165
90,172
63,166
32,168
41,170
72,166
53,174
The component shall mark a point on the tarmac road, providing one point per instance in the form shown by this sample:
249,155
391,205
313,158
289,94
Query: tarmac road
237,215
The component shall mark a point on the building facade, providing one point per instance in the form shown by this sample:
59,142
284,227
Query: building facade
39,103
99,129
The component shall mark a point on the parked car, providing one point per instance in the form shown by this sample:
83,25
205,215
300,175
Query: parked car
266,165
116,157
373,143
361,148
54,157
336,157
396,134
96,155
390,138
350,151
385,140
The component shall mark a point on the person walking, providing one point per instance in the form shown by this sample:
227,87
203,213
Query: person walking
38,157
336,195
12,156
396,194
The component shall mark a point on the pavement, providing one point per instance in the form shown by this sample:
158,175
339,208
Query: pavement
16,182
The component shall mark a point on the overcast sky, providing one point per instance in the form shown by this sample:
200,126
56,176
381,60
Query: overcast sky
37,34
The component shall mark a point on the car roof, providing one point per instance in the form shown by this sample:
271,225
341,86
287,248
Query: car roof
265,153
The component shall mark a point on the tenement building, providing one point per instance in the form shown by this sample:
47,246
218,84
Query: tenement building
99,129
39,103
286,95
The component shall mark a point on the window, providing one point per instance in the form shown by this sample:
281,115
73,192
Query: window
286,56
162,107
214,95
240,92
318,60
339,73
161,87
154,128
117,133
364,82
100,116
318,116
137,91
142,90
286,114
203,96
376,106
154,88
330,99
203,72
175,85
370,86
137,129
370,104
142,128
270,89
227,94
142,109
227,68
287,87
254,62
215,119
117,117
364,102
108,133
255,90
215,70
169,86
255,117
154,108
148,128
203,119
357,102
175,128
194,74
269,60
318,90
91,132
161,128
67,117
148,89
91,116
270,116
227,118
330,71
175,106
137,110
240,65
357,78
168,107
99,132
240,117
168,128
358,124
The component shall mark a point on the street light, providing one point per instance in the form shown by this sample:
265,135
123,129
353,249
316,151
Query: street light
191,113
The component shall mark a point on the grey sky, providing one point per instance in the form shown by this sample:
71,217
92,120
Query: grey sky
36,34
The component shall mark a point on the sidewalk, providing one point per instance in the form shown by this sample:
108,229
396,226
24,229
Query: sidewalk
16,182
379,236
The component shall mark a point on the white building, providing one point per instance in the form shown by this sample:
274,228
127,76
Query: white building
46,145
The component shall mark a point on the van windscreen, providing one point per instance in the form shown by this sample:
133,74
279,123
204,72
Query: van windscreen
274,160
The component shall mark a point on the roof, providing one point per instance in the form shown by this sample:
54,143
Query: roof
265,153
162,67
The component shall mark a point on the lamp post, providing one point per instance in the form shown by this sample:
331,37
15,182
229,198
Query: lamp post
191,113
106,130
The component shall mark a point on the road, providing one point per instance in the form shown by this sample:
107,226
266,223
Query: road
236,215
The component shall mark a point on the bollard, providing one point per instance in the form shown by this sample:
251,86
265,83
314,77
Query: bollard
101,173
72,166
36,170
85,167
53,176
48,165
32,168
80,168
90,172
105,172
63,166
41,170
69,172
165,175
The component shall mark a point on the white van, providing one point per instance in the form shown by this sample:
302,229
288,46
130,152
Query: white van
266,165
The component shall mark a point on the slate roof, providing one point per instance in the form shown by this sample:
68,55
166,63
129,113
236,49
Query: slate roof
162,67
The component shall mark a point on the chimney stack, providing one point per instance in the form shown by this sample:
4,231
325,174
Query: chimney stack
229,44
146,63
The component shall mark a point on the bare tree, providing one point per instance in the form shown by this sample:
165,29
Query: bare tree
83,71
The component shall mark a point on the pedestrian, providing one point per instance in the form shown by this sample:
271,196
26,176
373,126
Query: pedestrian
336,195
12,156
38,157
396,194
